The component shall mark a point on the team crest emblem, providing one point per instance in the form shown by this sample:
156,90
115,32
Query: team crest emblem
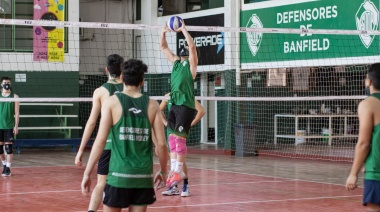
254,38
367,18
134,110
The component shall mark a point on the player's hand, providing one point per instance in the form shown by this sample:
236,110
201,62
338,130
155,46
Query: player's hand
156,151
183,27
86,184
160,180
352,182
78,158
15,130
165,28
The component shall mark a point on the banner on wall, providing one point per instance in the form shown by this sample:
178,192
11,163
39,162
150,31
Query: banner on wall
323,14
48,41
210,45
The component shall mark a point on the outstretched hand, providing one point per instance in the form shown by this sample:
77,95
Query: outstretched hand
183,27
165,28
160,180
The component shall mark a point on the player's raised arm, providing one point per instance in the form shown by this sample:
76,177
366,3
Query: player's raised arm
193,55
164,45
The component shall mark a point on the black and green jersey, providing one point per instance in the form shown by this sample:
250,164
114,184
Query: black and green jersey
182,84
7,113
372,162
131,163
111,88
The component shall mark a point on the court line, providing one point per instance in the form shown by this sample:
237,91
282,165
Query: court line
247,182
193,185
246,202
217,170
285,178
254,201
22,167
39,192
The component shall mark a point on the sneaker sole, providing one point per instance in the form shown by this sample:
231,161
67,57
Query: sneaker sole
171,194
185,195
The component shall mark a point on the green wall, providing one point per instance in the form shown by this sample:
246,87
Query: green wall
42,85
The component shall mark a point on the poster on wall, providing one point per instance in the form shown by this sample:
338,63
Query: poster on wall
48,41
210,45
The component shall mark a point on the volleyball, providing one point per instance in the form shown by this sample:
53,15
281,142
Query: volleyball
174,23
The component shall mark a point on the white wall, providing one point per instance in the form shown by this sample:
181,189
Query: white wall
99,43
16,61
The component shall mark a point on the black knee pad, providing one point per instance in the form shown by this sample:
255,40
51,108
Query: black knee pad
1,149
9,148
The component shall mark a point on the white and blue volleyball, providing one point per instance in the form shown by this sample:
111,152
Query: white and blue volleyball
174,23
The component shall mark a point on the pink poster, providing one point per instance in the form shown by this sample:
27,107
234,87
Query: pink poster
48,42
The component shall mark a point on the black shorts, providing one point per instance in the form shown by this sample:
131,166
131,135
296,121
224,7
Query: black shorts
104,162
371,193
180,118
6,135
124,197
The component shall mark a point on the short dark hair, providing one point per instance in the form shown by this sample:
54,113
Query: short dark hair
133,72
114,62
374,75
5,78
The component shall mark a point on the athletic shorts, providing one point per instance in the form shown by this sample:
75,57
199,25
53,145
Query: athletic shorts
124,197
371,193
104,162
180,118
6,135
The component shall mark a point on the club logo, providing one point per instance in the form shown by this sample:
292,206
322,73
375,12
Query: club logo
254,38
134,110
367,18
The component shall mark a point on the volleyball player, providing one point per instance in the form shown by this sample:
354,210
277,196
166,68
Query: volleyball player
173,161
113,85
130,117
9,119
367,149
183,111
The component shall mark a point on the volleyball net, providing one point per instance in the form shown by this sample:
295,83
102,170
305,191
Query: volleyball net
287,92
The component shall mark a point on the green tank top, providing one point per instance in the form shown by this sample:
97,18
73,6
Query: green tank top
111,88
182,84
131,163
372,162
7,113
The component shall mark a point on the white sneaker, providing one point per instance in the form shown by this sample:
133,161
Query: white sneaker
171,191
185,191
